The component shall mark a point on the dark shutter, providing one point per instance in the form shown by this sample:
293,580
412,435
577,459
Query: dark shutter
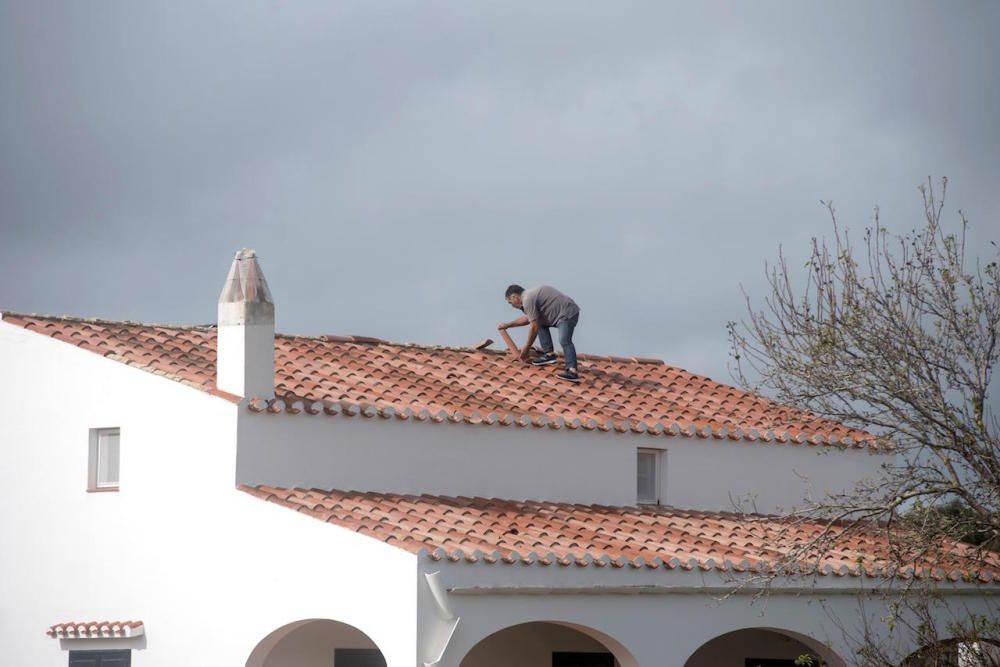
358,657
568,659
83,659
121,658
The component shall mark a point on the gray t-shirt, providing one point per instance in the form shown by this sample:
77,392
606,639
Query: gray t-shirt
548,306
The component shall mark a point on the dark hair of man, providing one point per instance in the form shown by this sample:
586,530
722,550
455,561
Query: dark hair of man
513,289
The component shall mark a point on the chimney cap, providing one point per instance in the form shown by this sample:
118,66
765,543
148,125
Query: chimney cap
245,282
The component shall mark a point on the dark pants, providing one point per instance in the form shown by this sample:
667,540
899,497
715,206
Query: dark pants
565,328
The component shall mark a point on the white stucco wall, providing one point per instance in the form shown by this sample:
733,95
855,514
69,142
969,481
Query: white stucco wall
657,618
766,477
406,456
210,570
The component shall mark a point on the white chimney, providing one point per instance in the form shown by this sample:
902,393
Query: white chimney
245,344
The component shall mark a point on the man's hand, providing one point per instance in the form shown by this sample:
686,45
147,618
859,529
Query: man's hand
519,322
525,353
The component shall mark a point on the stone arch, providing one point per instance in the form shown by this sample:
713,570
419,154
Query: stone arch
532,644
313,642
766,643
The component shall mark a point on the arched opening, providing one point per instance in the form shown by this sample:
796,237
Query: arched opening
316,643
956,653
548,644
763,647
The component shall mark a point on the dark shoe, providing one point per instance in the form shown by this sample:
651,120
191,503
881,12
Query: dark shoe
544,360
569,376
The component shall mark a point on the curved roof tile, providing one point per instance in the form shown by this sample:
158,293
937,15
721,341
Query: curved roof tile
494,530
460,384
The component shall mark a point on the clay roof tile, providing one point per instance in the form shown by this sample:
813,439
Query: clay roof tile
593,535
626,394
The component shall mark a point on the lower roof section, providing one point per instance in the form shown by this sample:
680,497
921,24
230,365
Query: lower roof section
493,530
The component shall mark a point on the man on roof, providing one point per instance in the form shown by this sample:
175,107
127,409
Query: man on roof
546,307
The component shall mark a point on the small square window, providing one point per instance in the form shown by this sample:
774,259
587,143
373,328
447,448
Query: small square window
104,459
647,477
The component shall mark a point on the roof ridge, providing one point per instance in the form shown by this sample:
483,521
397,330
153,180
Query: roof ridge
357,339
101,320
360,339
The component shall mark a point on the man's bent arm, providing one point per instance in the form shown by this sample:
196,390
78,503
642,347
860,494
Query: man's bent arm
519,322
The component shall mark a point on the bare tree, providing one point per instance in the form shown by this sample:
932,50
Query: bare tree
948,635
897,336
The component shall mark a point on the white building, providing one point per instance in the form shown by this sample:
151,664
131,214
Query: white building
228,496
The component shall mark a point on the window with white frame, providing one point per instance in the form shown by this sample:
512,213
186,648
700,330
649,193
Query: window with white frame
104,459
647,478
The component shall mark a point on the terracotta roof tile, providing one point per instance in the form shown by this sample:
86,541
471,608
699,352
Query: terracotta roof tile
367,376
508,531
95,629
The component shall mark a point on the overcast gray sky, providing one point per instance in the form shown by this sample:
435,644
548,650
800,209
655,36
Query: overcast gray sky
396,165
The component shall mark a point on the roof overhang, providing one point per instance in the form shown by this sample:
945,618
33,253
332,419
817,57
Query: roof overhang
96,630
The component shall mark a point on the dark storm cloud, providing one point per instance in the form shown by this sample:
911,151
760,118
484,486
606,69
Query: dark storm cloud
396,166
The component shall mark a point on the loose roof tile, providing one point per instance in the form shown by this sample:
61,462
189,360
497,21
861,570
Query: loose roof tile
493,530
364,375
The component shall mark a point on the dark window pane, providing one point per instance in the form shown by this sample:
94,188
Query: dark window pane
82,659
358,657
568,659
769,662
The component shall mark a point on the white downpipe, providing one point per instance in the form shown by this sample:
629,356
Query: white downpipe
444,611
